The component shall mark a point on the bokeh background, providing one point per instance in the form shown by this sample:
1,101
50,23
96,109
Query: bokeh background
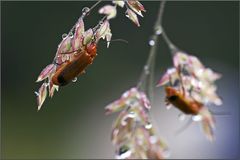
72,124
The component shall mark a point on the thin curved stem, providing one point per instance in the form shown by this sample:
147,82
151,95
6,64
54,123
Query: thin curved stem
93,6
171,46
85,12
146,82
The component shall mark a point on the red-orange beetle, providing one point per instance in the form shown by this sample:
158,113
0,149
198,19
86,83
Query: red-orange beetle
67,71
186,105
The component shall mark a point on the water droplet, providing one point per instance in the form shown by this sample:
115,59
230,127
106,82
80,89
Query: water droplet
126,14
85,10
36,93
100,23
148,125
124,152
169,106
181,117
146,69
70,34
197,118
74,79
125,95
151,42
158,30
64,35
132,114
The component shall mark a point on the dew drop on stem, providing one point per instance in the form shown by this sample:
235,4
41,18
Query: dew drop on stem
151,42
181,117
158,30
146,69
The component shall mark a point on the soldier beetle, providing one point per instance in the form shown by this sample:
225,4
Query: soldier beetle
67,71
181,102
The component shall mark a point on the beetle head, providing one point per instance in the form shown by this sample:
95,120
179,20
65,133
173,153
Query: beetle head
171,94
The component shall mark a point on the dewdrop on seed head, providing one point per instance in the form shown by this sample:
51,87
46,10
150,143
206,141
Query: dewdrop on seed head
148,125
64,35
36,93
70,34
85,10
197,118
132,114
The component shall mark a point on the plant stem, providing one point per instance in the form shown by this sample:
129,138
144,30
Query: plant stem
146,82
93,6
170,45
85,12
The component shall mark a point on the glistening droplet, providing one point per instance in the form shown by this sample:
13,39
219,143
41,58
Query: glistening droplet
124,152
70,34
100,22
85,10
151,42
197,118
148,125
132,114
64,35
126,14
74,79
158,30
146,69
36,93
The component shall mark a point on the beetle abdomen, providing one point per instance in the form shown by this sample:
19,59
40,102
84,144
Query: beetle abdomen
70,70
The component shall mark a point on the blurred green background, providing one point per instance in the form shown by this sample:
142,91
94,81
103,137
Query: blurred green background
72,124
